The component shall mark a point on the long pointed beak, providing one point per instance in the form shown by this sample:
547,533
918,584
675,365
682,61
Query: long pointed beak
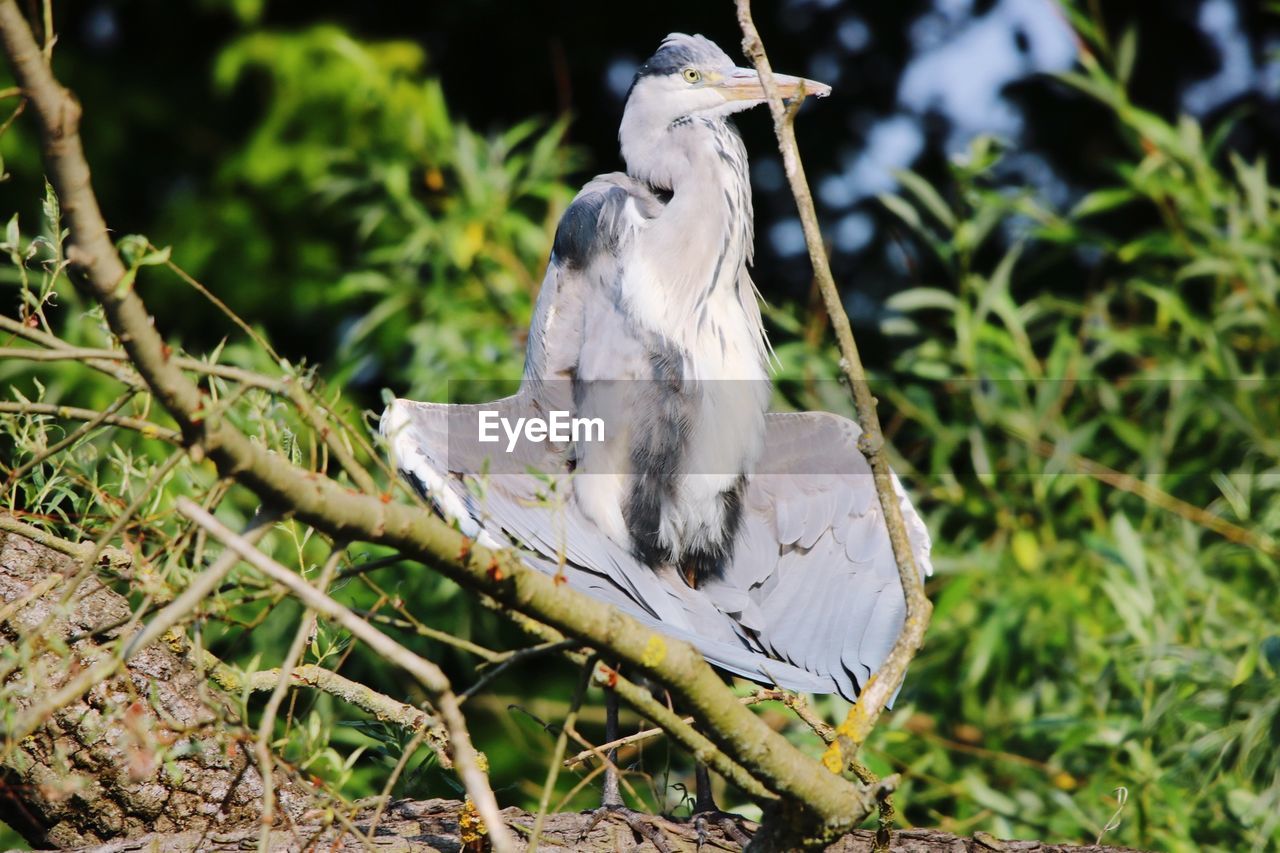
743,84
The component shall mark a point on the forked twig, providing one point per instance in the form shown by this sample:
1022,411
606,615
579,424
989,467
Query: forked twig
884,683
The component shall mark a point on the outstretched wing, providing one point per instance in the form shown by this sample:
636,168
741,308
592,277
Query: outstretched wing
813,573
537,513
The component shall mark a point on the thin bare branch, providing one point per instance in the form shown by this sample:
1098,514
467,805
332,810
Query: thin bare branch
648,734
64,354
147,428
884,683
95,357
109,366
512,658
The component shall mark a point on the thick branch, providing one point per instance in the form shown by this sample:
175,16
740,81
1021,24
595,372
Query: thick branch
347,515
109,558
381,706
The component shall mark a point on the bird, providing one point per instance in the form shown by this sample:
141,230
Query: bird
756,536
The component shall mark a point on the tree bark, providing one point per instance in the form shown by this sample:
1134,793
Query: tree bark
410,826
154,749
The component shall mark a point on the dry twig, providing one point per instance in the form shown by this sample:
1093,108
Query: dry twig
884,683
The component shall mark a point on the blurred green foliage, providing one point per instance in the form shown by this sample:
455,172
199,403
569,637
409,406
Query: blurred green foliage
1104,633
1066,442
357,211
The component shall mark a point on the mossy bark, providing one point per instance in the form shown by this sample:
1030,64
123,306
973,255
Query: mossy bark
153,749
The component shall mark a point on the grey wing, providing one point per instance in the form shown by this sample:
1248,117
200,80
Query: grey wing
538,515
579,289
813,571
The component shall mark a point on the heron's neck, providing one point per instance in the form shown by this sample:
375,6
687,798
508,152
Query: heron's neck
702,163
690,153
703,237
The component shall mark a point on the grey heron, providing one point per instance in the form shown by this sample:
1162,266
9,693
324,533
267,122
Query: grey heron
755,536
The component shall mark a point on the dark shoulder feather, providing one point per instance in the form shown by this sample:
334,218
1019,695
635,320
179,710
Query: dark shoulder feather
593,222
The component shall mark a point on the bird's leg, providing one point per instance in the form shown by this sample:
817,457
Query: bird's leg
612,797
611,804
704,799
705,810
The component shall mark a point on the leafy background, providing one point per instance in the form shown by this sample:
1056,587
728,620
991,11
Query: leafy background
1070,305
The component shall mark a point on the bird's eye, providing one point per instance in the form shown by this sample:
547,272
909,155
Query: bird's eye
692,75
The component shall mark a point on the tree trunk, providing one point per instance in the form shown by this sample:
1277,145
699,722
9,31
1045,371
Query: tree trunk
153,749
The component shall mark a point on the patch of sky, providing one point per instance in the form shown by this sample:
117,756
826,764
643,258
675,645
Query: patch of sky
1220,22
767,174
825,67
963,64
853,34
619,75
854,232
787,238
892,143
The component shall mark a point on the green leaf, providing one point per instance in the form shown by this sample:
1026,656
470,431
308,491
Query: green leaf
126,282
928,196
989,798
921,298
1126,53
154,258
1246,666
1026,550
903,210
1100,201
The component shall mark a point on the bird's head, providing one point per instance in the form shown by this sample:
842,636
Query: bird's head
689,76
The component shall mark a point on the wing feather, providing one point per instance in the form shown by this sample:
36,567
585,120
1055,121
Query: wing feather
831,602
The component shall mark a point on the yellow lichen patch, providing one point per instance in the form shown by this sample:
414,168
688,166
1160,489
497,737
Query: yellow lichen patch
833,758
857,724
654,651
471,829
